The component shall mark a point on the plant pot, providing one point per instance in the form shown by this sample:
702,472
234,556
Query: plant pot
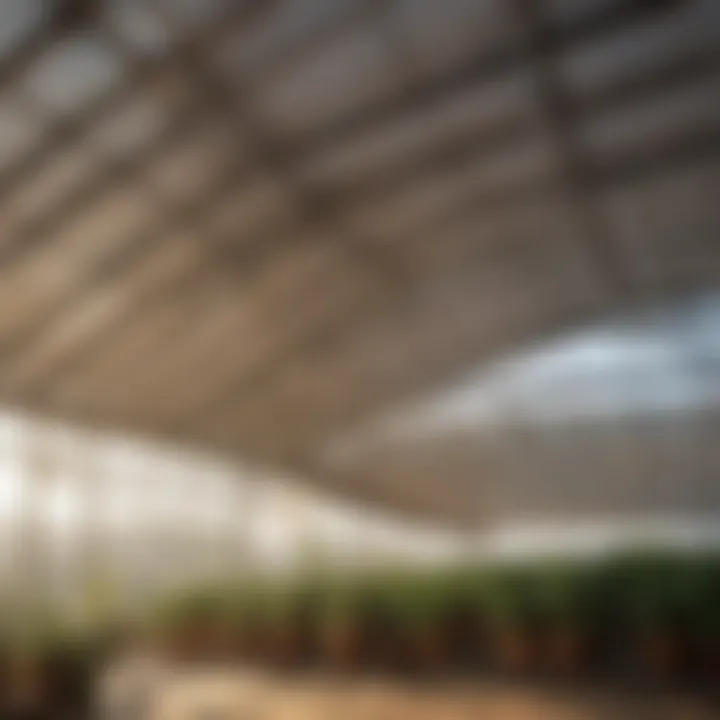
244,645
342,646
478,645
514,650
209,642
188,644
565,651
68,685
661,654
28,688
285,646
709,661
464,639
429,650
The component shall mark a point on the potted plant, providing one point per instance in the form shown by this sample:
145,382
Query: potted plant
282,626
563,594
49,671
245,621
702,616
655,599
470,621
188,625
27,692
510,610
343,624
422,618
70,665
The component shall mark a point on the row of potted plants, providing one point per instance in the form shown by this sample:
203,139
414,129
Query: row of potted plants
49,673
648,614
642,615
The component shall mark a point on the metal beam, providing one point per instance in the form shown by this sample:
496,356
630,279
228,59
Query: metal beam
433,88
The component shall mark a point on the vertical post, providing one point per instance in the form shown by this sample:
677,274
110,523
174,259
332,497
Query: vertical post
35,471
15,471
93,562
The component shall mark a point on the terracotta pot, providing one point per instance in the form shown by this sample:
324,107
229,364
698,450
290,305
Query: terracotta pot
215,642
237,645
386,650
342,645
565,651
514,650
709,660
188,644
479,650
430,650
248,644
287,645
661,654
68,686
28,686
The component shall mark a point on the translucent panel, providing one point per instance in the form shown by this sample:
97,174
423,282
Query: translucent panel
67,79
565,12
134,127
660,361
86,513
679,115
640,49
668,226
331,82
458,119
64,175
444,35
439,193
139,25
196,13
192,168
18,18
19,132
283,28
248,213
616,420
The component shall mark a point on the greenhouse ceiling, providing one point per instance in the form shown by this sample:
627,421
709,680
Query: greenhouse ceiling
254,225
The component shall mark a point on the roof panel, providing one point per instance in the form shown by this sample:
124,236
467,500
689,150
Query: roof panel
333,81
215,212
20,18
444,35
72,74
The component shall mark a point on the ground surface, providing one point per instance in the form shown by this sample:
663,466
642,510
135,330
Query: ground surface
244,696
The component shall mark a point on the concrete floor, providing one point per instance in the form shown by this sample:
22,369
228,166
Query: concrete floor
246,696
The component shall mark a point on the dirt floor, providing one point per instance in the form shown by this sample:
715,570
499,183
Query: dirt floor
246,696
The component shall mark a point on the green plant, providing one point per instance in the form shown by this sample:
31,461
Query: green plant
507,597
554,611
563,595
